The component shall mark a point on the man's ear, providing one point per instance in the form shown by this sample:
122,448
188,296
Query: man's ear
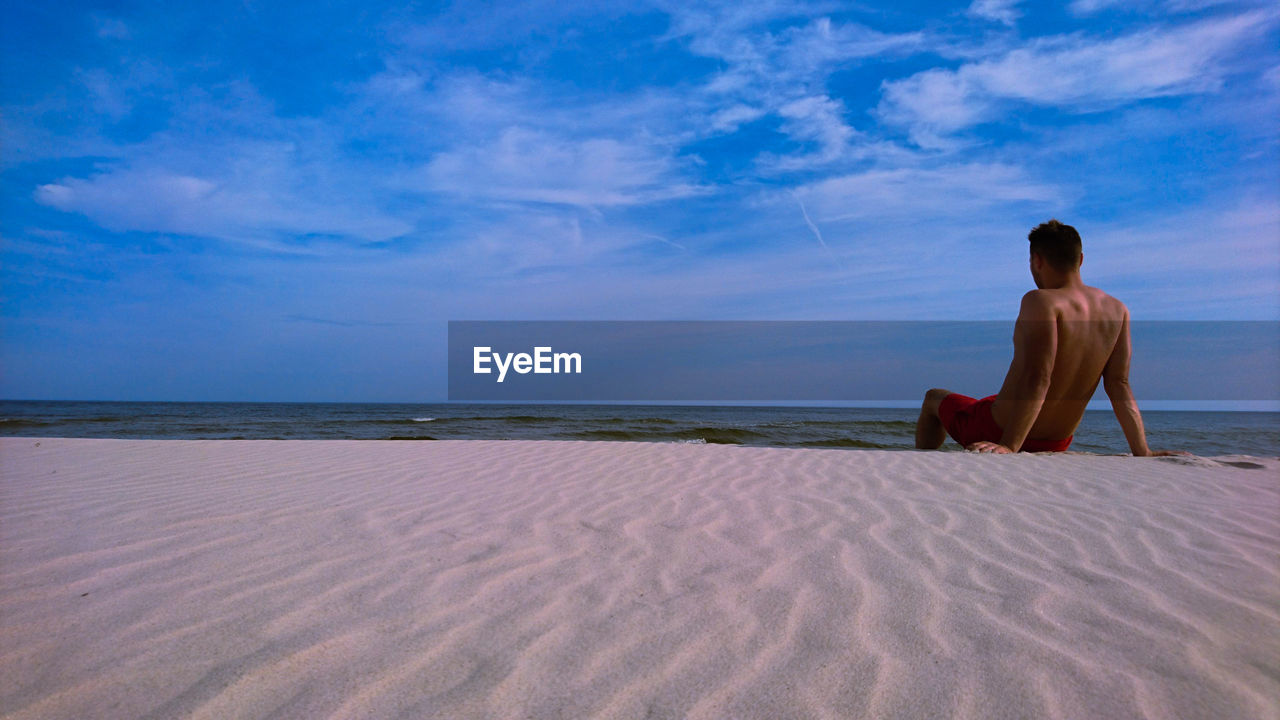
1081,260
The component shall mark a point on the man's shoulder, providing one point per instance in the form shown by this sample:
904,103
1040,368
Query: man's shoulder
1080,303
1109,302
1038,295
1037,306
1054,296
1041,299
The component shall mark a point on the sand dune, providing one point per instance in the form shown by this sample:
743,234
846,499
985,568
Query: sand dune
475,579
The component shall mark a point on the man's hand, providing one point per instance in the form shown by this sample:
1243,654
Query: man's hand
984,446
1168,453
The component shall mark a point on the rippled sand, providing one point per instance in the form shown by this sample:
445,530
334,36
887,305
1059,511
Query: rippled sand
475,579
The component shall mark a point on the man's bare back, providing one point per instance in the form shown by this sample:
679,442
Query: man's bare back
1068,338
1085,324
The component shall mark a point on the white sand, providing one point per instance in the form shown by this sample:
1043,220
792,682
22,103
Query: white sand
470,579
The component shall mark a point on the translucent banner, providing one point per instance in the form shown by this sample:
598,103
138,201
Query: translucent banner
816,361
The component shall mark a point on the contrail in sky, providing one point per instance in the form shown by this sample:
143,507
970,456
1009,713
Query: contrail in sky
817,233
662,239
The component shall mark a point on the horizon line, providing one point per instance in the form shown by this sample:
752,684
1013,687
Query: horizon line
1264,406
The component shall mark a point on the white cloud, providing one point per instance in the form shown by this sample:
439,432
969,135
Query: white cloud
817,120
531,166
1187,264
823,44
775,73
932,192
1001,11
722,19
731,118
934,104
490,23
783,72
1089,7
163,201
531,246
401,102
1070,72
469,113
801,52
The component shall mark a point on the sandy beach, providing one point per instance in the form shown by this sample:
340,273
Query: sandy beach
507,579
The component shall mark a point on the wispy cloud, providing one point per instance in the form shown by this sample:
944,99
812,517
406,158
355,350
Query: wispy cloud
1001,11
528,166
239,209
1075,73
927,192
488,23
783,73
729,119
818,122
1090,7
1135,260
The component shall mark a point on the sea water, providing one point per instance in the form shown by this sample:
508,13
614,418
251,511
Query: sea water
1202,433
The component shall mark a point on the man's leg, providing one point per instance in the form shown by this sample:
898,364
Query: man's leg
929,431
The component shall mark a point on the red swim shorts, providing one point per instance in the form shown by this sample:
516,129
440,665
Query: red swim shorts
967,421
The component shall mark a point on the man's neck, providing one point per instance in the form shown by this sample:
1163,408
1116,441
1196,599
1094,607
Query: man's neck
1067,281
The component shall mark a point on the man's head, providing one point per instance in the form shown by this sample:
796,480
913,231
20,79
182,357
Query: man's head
1058,248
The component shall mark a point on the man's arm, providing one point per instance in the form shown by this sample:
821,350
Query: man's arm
1035,345
1115,381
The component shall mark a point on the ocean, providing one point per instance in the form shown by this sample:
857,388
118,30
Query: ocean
1202,433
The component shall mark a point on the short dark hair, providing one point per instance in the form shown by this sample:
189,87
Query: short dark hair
1058,244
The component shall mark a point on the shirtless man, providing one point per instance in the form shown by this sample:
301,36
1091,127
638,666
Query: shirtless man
1068,336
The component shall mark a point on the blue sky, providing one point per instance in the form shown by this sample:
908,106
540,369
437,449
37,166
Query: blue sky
272,201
